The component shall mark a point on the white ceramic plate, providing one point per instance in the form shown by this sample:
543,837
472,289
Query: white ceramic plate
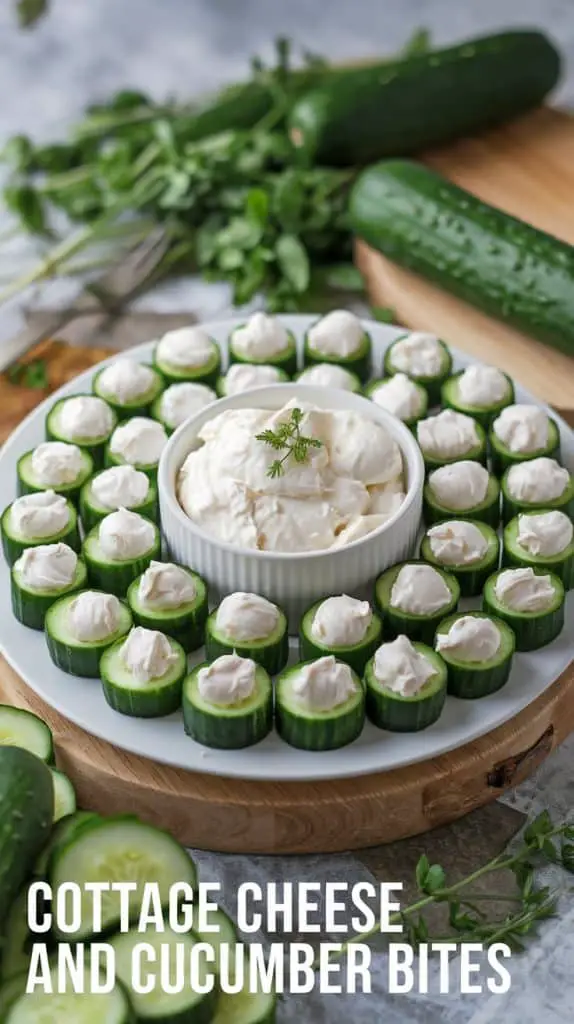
164,740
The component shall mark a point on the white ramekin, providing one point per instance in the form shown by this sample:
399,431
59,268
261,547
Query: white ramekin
293,580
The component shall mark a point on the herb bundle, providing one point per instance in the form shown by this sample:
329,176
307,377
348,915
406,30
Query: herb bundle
288,439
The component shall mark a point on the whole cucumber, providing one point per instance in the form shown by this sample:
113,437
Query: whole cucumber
506,268
404,106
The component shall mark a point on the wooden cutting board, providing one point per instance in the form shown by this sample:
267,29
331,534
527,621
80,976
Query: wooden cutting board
526,169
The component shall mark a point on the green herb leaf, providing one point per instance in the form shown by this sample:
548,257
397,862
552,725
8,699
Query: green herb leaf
435,879
258,205
294,262
422,870
30,375
288,438
538,829
26,202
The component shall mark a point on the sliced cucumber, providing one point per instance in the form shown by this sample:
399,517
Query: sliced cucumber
432,385
77,657
62,832
411,421
513,554
416,627
471,576
185,624
94,446
72,1008
475,454
232,726
64,796
115,577
246,1007
397,713
356,656
205,374
189,1006
127,695
285,360
512,506
122,850
450,398
139,406
30,606
14,543
112,458
502,457
317,730
470,680
226,934
487,511
271,652
15,940
358,363
91,513
27,483
531,629
19,728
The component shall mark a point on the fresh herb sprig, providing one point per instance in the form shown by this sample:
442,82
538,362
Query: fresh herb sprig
288,439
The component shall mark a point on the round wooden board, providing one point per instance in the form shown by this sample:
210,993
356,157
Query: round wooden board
237,816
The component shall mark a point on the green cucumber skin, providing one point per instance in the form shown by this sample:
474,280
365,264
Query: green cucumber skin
417,628
501,458
170,375
531,632
469,683
355,657
96,449
116,460
319,734
272,657
14,940
152,702
115,578
14,548
389,712
221,733
360,364
561,565
482,416
499,264
511,507
487,512
470,578
70,491
188,629
92,516
30,609
432,385
286,361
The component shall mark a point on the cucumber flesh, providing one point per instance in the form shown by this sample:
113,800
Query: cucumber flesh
531,629
74,1008
246,1007
226,934
94,445
127,695
398,713
229,727
471,680
28,483
31,606
19,728
317,730
61,834
64,796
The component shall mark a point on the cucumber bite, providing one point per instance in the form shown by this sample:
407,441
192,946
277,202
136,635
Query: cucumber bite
424,358
119,549
330,375
142,674
41,576
188,354
139,443
478,650
530,602
400,396
62,832
520,433
542,541
180,401
19,728
264,340
83,420
469,551
319,705
228,704
129,387
405,686
172,599
38,519
252,627
340,338
413,598
342,626
65,802
81,626
244,376
448,437
537,486
478,391
55,1007
54,466
114,488
461,490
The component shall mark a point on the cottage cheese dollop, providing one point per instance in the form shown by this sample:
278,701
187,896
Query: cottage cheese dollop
537,481
147,654
522,590
341,621
399,395
139,441
418,354
323,684
47,567
357,528
165,585
339,334
480,386
243,617
228,680
55,463
180,401
447,435
522,428
328,375
93,616
39,515
262,337
457,543
187,348
124,535
244,376
470,639
399,667
419,590
124,380
459,486
546,534
85,418
120,487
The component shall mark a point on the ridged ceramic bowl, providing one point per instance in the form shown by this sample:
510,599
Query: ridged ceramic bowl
293,580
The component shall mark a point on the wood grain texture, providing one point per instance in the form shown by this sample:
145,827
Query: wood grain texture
526,169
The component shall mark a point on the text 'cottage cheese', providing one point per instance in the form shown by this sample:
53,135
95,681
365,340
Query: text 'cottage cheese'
124,380
165,585
545,535
224,486
147,654
47,567
341,621
522,428
186,348
457,543
470,639
262,337
522,590
120,487
228,680
323,684
537,481
337,335
55,463
93,616
245,617
399,667
44,514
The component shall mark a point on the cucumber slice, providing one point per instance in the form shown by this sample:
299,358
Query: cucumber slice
355,656
271,652
475,454
411,422
531,629
94,446
70,1007
14,543
115,577
125,694
416,627
470,680
246,1007
62,832
91,513
185,624
19,728
15,940
512,506
317,730
64,796
389,710
432,385
27,483
114,459
229,727
226,934
450,398
30,606
513,554
487,511
502,457
140,406
285,360
206,374
77,657
358,363
189,1006
472,576
125,850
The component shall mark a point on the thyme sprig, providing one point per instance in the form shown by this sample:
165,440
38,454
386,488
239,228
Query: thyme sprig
288,439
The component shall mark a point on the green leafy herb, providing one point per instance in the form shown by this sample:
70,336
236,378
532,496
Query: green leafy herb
30,375
288,439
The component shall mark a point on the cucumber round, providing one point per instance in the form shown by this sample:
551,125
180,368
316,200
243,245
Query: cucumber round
221,382
355,656
531,629
94,446
139,406
450,398
185,624
77,657
358,362
246,1007
115,577
475,454
229,727
513,554
206,374
416,627
285,360
27,484
432,385
125,850
43,1008
19,728
271,652
410,421
512,506
114,459
62,832
471,576
226,934
470,680
125,694
30,606
64,796
487,511
92,513
317,730
502,457
397,713
14,543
